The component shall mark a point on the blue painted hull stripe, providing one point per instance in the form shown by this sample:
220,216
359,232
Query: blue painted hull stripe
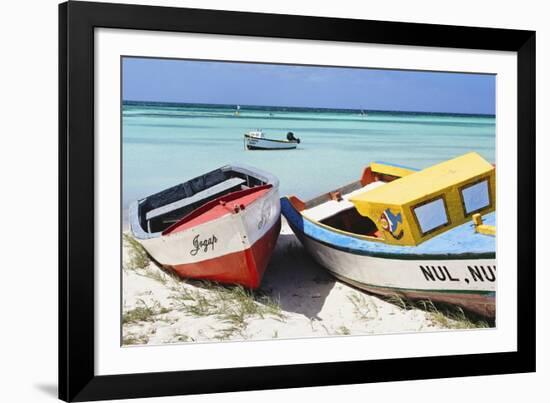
488,255
349,244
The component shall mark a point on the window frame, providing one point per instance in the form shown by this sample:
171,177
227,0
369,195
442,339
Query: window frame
428,201
470,184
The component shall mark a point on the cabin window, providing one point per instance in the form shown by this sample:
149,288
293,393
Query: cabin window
475,197
431,215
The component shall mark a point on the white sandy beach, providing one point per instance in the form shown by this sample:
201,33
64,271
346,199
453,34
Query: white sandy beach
298,298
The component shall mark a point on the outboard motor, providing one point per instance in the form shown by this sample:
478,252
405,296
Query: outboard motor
290,137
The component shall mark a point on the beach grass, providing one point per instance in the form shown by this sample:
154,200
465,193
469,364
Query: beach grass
143,312
154,273
189,310
234,306
134,339
456,318
137,256
343,330
443,315
361,306
139,261
183,337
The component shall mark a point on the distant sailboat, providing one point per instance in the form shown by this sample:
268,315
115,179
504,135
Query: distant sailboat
237,111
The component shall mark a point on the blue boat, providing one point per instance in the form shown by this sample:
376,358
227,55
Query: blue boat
424,235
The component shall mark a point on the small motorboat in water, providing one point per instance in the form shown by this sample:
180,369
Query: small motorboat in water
255,140
425,235
221,226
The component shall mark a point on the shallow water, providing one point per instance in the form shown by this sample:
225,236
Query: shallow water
166,144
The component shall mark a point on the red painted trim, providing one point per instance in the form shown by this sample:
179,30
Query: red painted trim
298,204
367,177
262,249
238,197
483,305
245,267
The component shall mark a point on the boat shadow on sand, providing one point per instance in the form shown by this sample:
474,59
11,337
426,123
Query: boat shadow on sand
295,280
300,285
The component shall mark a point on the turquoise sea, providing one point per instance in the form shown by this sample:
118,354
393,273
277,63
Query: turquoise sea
166,144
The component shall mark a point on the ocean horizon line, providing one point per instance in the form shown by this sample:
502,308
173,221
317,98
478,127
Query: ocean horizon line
280,108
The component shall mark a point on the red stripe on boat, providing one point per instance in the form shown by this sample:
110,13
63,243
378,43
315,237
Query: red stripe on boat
218,208
245,267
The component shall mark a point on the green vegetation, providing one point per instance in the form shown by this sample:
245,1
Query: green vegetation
444,315
343,331
362,307
156,274
183,337
139,262
137,256
457,319
143,313
133,339
235,306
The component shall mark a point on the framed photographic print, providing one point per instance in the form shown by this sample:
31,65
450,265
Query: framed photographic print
260,201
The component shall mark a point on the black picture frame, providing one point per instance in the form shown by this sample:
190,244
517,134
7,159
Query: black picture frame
77,21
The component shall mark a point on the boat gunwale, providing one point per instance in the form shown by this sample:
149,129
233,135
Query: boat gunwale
212,203
325,197
372,253
133,211
355,185
325,226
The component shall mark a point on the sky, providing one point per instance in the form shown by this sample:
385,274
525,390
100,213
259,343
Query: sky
211,82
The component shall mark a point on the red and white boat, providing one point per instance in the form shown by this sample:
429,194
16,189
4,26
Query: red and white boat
221,226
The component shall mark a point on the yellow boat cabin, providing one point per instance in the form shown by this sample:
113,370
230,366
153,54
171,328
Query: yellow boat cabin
422,204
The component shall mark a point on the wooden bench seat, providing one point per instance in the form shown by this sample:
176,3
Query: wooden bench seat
215,190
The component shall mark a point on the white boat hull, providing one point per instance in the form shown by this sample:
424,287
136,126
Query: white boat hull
219,246
233,245
469,282
234,232
472,275
257,143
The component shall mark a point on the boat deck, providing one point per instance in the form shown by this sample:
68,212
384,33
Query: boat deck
207,193
333,207
460,240
218,208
